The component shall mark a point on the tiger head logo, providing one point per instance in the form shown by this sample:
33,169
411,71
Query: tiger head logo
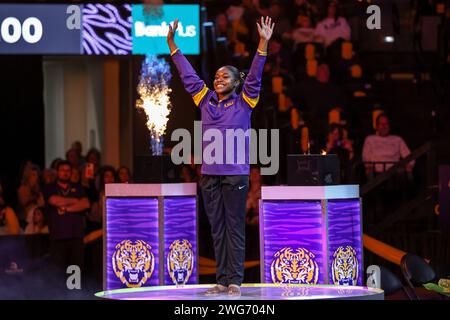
133,262
345,266
180,261
294,267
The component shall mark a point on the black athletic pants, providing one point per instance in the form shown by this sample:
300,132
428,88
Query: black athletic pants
225,199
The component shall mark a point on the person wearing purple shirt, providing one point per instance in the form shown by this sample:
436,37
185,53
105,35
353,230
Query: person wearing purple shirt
224,184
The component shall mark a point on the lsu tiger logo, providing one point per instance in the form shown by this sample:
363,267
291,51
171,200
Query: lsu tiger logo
294,267
133,263
180,261
345,266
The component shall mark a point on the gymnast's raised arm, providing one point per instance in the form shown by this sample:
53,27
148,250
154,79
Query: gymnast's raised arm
195,86
252,84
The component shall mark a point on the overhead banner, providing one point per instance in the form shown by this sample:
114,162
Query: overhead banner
40,29
96,29
150,29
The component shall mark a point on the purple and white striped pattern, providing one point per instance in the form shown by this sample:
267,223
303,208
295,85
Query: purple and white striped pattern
133,219
292,224
107,29
180,222
344,229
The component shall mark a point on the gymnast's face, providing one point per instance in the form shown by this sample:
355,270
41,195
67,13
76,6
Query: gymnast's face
224,81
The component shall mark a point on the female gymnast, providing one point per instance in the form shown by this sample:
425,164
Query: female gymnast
224,183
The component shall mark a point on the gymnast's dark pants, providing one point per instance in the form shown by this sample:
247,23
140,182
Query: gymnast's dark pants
225,201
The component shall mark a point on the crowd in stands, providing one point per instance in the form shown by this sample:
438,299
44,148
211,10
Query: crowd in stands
314,77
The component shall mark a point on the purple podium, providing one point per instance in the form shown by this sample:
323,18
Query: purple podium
311,235
150,235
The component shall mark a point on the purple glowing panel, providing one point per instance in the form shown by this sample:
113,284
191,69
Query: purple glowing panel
293,240
345,243
107,29
132,247
180,240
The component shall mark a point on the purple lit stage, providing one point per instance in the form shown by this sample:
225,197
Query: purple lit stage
249,292
310,242
311,235
150,235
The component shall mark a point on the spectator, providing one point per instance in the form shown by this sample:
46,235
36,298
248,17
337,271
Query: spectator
65,209
37,223
9,224
304,31
89,173
304,8
123,175
337,143
48,176
333,27
29,193
78,147
107,174
93,156
343,148
384,147
54,163
73,157
253,197
75,178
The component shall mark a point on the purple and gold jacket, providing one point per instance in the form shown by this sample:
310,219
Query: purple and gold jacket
232,113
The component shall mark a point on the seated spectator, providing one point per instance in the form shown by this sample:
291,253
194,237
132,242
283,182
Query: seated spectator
253,197
123,175
107,174
343,148
37,223
304,31
334,26
65,209
304,7
337,143
9,224
29,193
384,147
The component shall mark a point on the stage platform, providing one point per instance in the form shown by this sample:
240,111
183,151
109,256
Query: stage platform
249,292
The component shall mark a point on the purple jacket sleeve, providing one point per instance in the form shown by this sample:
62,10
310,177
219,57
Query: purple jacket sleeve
252,83
195,86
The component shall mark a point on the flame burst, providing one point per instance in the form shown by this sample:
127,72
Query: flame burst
154,99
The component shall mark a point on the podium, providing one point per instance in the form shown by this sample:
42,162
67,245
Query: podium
150,235
311,235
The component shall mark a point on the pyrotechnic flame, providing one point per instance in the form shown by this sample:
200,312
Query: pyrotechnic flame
324,152
154,99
